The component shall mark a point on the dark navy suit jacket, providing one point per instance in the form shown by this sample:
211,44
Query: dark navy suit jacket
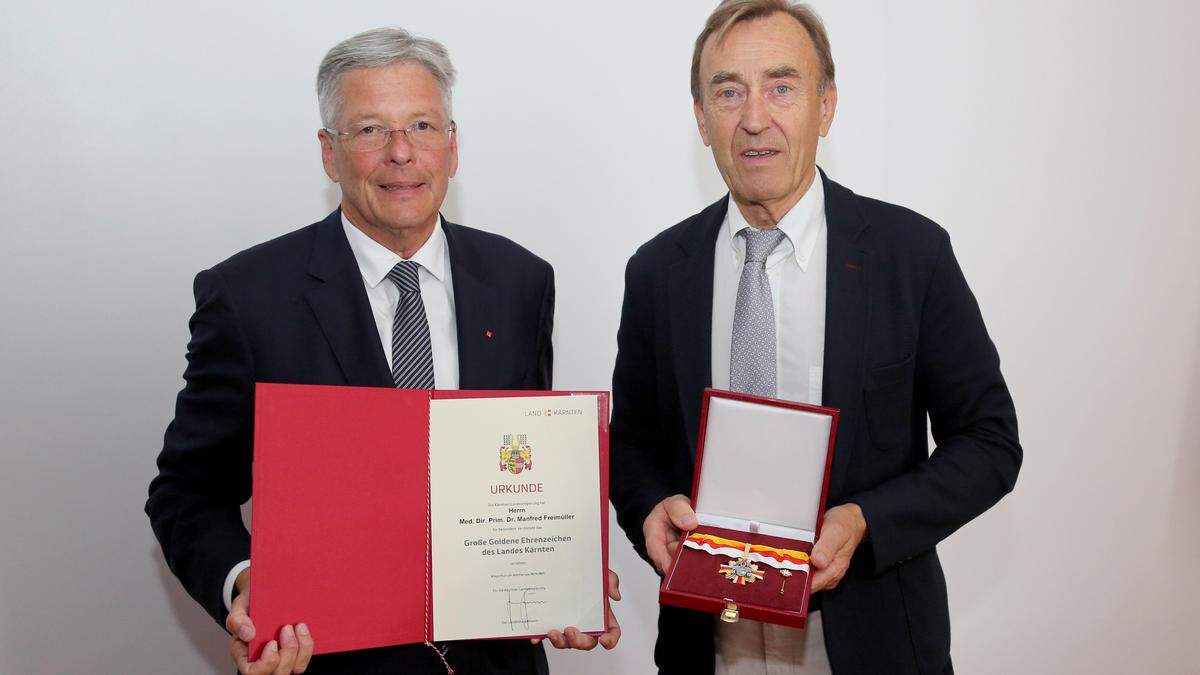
903,339
295,310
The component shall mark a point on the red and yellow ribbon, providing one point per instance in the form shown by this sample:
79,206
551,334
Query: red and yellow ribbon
779,558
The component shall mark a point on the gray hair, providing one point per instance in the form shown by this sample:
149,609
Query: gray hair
374,49
732,12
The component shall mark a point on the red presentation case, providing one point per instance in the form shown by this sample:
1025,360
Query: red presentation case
762,472
341,520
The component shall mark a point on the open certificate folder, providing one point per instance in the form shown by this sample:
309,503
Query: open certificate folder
392,516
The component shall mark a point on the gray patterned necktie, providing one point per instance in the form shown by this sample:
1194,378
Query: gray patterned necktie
412,351
752,351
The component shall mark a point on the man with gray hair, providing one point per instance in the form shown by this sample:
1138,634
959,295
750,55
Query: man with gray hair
382,292
792,286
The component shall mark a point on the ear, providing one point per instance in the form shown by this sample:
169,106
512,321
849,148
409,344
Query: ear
327,160
699,110
828,107
454,153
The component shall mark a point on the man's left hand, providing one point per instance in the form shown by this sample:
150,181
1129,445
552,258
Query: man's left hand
842,531
572,638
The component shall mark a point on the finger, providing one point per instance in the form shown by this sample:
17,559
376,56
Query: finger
679,510
820,580
557,639
833,538
580,641
849,546
304,654
535,641
656,547
613,635
672,546
614,586
829,577
238,622
288,648
241,655
267,662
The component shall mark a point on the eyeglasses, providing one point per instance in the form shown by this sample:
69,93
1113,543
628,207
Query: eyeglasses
422,135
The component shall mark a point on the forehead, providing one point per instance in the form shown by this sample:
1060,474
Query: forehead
397,90
753,46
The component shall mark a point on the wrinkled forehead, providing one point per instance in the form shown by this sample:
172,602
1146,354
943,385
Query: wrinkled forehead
399,91
759,48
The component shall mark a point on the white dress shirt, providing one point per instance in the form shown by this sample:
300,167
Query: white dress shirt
437,294
796,272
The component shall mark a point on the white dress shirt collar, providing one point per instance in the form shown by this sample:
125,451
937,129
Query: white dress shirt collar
801,224
375,260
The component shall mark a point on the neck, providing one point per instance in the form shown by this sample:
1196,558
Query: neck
766,215
403,241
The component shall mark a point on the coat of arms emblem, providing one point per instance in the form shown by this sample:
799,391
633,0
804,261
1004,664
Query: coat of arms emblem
516,455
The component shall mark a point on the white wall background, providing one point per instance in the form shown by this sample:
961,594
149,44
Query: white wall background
1057,142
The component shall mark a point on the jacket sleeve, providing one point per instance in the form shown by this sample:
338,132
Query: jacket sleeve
204,467
973,421
542,377
638,442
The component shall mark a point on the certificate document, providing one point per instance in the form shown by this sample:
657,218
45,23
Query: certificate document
388,516
515,516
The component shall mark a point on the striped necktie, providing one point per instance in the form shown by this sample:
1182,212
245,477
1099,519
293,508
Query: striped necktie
412,350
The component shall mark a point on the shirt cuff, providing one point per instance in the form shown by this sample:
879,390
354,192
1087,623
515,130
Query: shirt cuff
227,590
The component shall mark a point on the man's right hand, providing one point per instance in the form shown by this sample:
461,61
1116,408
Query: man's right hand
285,656
662,528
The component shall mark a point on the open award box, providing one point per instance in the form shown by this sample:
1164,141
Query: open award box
762,471
390,516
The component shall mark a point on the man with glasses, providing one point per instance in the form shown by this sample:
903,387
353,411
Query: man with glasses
794,287
382,292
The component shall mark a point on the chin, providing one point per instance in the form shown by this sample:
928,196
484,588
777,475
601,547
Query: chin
763,190
410,221
760,196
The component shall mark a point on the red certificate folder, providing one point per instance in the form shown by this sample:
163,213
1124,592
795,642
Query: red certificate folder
762,472
341,514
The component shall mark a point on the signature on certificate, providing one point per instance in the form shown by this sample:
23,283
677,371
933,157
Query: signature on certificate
517,603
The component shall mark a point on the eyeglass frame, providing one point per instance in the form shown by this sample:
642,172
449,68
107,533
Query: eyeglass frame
452,129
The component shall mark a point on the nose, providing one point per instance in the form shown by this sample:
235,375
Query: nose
756,117
399,149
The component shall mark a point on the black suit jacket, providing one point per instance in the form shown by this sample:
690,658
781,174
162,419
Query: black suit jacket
903,339
294,310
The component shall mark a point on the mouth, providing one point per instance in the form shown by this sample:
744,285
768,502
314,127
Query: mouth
759,153
401,186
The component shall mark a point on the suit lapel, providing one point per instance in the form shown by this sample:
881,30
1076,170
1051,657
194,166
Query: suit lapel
342,309
474,311
689,303
846,315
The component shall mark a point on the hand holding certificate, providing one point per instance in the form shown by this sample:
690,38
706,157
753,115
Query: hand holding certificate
411,515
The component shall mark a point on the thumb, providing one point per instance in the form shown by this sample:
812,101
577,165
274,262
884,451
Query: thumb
238,622
819,557
614,586
830,540
679,510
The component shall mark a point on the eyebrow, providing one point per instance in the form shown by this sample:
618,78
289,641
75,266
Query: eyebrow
783,71
723,76
376,117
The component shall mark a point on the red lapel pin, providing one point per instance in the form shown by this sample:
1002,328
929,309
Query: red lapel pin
487,333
